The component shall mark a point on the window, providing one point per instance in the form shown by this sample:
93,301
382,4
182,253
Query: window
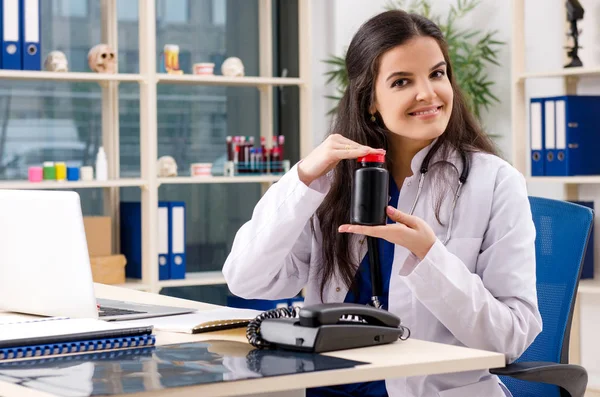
219,12
173,11
127,10
70,8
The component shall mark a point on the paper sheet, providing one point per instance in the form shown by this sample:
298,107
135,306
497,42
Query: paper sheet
185,323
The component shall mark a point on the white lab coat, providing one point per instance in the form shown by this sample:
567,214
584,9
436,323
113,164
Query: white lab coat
477,291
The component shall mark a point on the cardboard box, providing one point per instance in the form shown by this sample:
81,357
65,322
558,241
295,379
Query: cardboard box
109,269
98,233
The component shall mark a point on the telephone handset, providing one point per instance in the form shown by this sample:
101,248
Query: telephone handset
325,327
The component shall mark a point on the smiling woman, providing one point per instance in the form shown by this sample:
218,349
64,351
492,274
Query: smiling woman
457,254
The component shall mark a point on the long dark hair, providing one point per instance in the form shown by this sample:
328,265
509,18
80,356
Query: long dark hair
352,120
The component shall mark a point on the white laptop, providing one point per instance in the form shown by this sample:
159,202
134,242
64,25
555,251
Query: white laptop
44,262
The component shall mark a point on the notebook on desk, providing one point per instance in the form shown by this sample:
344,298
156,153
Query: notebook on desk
201,321
23,338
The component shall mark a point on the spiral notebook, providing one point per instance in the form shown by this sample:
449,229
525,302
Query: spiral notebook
49,336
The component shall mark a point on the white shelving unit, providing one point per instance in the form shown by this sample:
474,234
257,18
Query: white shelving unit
148,79
520,153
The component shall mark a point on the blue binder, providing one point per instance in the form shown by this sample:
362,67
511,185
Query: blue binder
30,35
577,136
11,45
536,136
131,239
177,257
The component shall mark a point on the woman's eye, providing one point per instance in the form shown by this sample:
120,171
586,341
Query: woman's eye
400,83
438,74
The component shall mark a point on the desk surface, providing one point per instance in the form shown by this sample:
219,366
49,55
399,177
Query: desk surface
403,358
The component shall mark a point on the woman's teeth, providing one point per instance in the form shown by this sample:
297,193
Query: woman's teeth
432,111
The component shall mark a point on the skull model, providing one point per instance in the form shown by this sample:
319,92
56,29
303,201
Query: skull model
56,61
102,59
232,67
167,166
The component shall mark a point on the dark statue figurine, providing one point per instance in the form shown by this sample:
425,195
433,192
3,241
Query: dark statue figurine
574,13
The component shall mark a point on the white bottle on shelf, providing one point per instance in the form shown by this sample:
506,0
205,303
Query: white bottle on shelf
101,165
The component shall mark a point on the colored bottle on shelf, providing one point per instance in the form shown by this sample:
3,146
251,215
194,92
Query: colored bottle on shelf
49,171
101,165
61,171
35,174
72,173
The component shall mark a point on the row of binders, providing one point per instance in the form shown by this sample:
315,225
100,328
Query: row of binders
564,135
20,35
171,239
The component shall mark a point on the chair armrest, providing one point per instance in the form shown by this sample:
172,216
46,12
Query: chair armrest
571,378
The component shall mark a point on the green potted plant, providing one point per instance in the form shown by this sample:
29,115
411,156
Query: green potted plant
470,52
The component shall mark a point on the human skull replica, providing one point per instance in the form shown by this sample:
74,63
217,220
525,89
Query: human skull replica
167,166
56,61
102,59
232,67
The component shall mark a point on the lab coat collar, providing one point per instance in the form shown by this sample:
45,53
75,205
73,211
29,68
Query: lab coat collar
415,164
417,160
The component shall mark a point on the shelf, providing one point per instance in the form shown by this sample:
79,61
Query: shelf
194,279
577,72
67,76
589,286
231,81
220,179
591,179
71,184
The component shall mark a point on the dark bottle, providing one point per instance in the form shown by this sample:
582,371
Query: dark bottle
370,188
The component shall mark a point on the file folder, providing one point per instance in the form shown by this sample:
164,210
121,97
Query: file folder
131,239
30,35
575,125
163,241
536,136
549,136
11,46
177,257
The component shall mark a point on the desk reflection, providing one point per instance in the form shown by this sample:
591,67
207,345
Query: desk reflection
160,367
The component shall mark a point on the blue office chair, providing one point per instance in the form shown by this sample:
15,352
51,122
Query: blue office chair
563,230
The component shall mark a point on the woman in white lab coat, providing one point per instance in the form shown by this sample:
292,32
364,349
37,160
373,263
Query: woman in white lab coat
460,270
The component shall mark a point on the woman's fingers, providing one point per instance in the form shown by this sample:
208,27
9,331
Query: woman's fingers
402,217
372,231
349,151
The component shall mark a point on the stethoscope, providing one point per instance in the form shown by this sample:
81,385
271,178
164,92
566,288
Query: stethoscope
373,250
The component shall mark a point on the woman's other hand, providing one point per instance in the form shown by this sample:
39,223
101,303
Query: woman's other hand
409,231
326,156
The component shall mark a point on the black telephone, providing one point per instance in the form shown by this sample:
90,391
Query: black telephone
325,327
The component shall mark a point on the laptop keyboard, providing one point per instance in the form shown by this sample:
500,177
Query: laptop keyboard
104,311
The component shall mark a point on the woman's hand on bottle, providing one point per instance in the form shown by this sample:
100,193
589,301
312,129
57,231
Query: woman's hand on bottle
409,231
326,156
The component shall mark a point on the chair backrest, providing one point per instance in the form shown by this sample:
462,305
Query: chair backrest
562,232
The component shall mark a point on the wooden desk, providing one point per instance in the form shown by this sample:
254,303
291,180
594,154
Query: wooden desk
400,359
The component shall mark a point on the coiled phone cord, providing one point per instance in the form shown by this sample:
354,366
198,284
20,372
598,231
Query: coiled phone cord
253,329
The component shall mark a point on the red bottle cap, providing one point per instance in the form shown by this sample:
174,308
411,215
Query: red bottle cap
372,158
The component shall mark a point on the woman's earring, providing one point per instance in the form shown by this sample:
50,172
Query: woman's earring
373,119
